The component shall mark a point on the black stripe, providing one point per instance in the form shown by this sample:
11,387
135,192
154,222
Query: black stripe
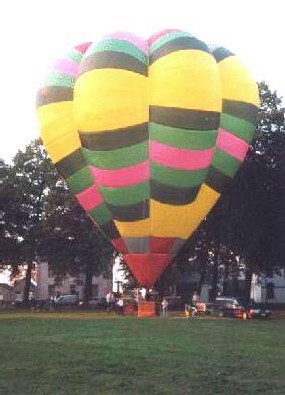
113,60
117,138
172,195
246,111
71,164
130,213
221,54
110,230
53,94
217,180
178,44
184,118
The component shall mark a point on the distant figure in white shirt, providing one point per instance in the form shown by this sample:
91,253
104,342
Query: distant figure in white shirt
164,306
109,298
120,306
143,293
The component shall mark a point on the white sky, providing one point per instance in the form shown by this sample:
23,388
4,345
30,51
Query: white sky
33,33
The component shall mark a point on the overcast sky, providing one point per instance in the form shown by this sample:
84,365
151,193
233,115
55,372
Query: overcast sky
35,32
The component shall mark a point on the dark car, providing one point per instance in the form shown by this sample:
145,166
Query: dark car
226,306
259,312
236,307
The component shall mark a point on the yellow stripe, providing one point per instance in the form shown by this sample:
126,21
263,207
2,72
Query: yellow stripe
237,82
58,129
186,79
63,146
181,221
55,120
134,229
108,99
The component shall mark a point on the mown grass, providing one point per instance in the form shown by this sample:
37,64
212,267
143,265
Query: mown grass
109,355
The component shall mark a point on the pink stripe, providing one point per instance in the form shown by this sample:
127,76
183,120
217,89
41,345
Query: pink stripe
89,198
180,158
121,177
137,41
156,36
232,144
66,66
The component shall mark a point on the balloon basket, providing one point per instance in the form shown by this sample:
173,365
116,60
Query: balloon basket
148,309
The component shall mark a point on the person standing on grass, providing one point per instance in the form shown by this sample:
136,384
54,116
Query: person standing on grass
108,301
195,298
164,306
120,305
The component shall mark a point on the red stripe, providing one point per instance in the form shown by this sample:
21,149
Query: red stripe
231,144
121,177
120,245
180,158
161,244
147,268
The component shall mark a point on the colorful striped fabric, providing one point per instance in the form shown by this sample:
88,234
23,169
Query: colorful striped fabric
148,134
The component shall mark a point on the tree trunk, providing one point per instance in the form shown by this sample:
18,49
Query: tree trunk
215,278
214,289
225,281
248,278
26,299
88,282
202,278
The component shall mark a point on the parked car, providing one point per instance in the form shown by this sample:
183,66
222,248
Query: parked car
227,306
40,304
66,300
174,302
259,312
94,304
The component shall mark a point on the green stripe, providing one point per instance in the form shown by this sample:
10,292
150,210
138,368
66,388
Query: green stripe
182,138
115,159
60,79
126,195
80,180
177,178
101,214
118,46
239,127
168,37
226,163
74,55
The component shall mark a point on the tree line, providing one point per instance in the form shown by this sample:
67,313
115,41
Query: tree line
40,220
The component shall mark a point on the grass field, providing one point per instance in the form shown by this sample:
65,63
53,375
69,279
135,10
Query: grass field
86,354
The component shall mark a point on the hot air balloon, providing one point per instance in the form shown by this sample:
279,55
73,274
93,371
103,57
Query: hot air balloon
147,135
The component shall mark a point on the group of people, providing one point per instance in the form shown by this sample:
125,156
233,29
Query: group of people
117,304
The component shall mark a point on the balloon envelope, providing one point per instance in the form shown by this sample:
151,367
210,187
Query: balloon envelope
147,135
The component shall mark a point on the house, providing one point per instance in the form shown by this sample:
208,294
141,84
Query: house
52,284
6,295
269,288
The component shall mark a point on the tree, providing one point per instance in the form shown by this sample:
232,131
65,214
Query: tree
43,221
249,219
26,185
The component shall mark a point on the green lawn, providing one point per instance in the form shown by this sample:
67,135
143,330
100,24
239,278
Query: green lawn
83,355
